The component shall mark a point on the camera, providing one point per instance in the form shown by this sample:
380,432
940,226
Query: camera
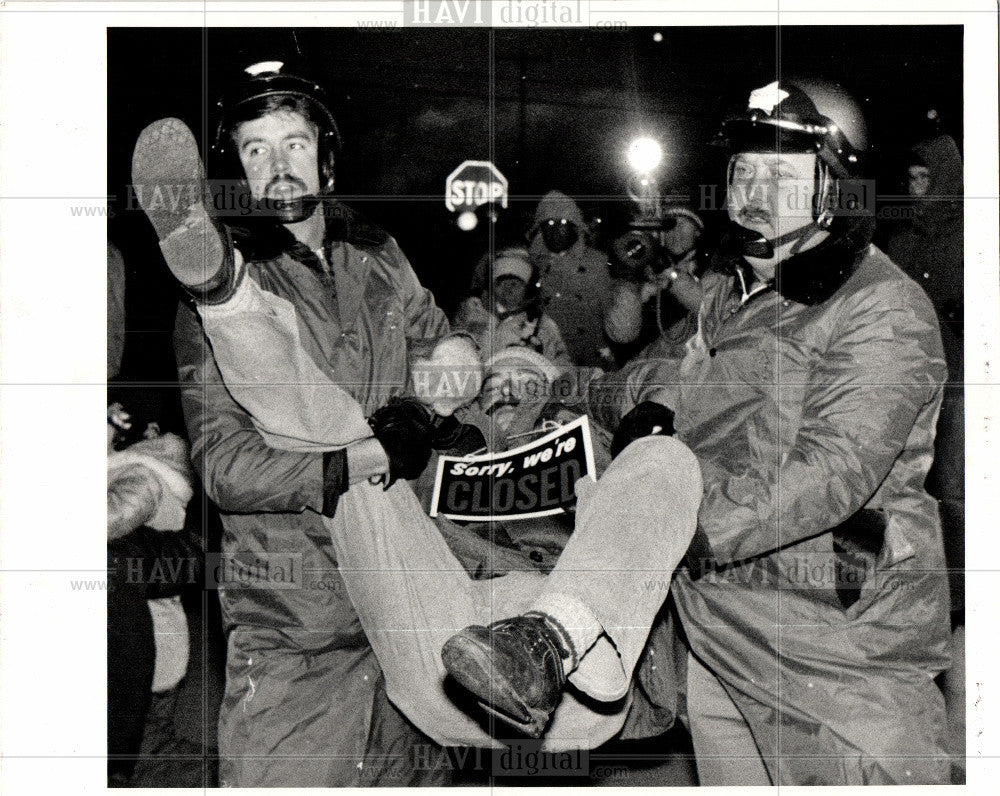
640,254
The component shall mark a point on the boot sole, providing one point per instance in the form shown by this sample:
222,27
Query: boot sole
169,181
472,668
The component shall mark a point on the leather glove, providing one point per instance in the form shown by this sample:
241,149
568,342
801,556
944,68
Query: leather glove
645,419
403,428
456,438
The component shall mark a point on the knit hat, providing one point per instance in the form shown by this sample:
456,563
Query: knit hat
681,211
521,359
513,262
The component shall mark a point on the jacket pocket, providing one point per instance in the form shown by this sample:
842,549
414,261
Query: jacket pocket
872,547
857,545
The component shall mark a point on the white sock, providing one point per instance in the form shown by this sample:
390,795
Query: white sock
574,620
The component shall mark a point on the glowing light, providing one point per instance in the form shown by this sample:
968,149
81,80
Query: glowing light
644,154
657,37
467,221
264,66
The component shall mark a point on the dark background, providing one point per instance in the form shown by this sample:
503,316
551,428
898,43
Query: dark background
551,108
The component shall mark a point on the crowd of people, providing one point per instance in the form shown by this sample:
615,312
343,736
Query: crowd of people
764,411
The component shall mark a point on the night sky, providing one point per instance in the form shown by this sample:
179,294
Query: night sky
552,108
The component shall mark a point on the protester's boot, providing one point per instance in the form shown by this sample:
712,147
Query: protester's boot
168,179
516,668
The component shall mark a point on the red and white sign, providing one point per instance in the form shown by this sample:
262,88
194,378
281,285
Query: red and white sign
474,183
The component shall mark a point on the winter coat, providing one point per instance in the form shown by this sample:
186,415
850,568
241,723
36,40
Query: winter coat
356,316
930,247
575,285
815,589
494,333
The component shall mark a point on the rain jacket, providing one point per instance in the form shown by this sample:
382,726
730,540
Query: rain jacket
575,285
815,588
301,676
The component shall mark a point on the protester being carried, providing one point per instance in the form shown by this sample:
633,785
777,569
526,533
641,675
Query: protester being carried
586,621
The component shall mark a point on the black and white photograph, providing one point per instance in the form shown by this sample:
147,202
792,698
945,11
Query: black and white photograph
523,393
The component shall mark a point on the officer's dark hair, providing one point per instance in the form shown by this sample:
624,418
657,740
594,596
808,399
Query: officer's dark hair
284,103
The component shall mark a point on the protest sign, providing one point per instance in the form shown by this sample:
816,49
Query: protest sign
533,480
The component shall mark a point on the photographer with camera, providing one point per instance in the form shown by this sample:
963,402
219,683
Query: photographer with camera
661,282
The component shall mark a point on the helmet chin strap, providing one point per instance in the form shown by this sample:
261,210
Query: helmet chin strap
287,211
756,245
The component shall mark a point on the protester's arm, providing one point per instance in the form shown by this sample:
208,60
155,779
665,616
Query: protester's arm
238,469
884,365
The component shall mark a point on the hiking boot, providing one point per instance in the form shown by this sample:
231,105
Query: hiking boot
168,178
514,668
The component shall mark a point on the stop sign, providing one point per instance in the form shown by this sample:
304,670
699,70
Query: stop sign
474,183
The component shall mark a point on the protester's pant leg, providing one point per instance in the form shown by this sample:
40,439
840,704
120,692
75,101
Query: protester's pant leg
632,529
412,595
267,368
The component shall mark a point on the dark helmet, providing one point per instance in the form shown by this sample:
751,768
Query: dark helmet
264,88
803,115
806,115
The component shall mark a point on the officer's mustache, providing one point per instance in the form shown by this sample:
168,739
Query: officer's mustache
283,180
758,214
286,206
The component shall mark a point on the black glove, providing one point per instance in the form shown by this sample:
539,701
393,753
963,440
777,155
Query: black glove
456,438
645,419
403,428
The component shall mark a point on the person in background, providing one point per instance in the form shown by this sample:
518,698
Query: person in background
575,281
660,304
151,558
509,312
929,248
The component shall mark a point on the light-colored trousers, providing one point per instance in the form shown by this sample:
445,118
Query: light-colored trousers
632,528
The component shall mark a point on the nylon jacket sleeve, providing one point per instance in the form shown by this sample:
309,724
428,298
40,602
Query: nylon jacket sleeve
240,473
883,365
611,396
424,319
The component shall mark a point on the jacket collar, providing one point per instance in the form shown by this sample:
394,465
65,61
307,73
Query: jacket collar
263,239
812,276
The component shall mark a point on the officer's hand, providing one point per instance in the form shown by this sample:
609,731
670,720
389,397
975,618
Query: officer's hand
455,437
645,419
403,428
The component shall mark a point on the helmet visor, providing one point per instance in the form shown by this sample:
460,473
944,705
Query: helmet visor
772,135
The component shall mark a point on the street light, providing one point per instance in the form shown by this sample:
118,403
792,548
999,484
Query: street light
644,155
